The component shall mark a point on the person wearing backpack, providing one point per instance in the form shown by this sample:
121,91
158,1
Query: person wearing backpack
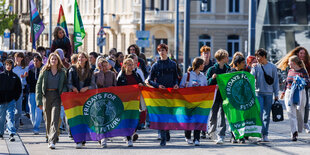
194,78
266,85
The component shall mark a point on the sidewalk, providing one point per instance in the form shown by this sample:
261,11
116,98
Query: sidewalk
147,144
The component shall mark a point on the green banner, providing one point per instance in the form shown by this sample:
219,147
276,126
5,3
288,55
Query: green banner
240,103
79,32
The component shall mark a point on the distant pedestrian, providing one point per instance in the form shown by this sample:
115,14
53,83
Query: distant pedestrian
194,78
141,63
50,85
10,91
35,112
265,88
220,67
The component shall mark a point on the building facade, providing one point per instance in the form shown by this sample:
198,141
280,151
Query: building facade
223,24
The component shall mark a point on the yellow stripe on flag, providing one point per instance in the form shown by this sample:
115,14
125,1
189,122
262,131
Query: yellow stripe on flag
177,103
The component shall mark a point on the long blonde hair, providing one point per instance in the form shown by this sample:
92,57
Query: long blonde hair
283,63
87,72
297,61
48,64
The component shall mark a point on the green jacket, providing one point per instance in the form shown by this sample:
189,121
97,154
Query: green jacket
42,84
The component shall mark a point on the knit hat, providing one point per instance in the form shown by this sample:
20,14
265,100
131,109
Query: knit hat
60,53
111,62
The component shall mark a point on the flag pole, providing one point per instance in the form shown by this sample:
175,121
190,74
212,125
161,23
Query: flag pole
50,24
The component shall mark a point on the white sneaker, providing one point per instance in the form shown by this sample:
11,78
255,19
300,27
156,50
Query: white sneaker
159,137
104,142
265,138
220,140
78,145
130,143
51,146
307,128
197,143
189,141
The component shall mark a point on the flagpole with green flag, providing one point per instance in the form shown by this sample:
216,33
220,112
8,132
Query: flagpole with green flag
79,32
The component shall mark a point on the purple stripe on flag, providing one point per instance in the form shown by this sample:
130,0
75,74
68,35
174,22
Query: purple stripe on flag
92,136
40,31
178,126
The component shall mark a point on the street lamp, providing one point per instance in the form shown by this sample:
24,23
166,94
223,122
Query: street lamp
187,32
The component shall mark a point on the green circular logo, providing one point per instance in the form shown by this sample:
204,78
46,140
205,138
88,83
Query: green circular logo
239,92
103,112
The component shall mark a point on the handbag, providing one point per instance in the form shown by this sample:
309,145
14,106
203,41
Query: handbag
277,111
269,80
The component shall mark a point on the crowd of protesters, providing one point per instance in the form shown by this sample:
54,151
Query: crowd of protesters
36,80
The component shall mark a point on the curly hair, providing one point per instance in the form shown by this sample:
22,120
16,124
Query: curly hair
283,63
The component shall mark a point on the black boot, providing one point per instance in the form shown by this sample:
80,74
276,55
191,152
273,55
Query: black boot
163,138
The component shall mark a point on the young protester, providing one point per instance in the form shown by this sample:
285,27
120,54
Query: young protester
50,85
21,70
134,57
135,49
238,64
163,75
303,55
61,41
42,51
81,79
92,59
266,87
234,57
119,58
194,78
205,52
104,77
10,92
251,62
33,75
220,67
295,94
74,59
60,52
128,76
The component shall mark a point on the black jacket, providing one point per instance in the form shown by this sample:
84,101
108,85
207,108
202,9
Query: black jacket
122,80
32,78
76,80
10,87
163,72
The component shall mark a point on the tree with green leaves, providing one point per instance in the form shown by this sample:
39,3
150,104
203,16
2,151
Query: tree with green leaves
6,17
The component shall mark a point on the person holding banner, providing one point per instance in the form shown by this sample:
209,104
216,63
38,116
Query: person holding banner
238,64
194,78
265,88
51,83
220,67
128,76
104,77
295,94
81,79
163,75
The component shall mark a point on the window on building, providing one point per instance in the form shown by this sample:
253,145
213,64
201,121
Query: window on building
204,40
205,7
233,44
164,5
234,6
152,5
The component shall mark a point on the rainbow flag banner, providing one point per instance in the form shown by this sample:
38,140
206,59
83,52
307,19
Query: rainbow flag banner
179,109
62,20
102,113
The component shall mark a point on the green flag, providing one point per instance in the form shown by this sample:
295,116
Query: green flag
240,103
79,32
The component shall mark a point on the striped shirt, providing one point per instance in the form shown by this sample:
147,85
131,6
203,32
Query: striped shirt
290,76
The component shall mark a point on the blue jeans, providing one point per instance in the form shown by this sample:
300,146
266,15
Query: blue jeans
265,102
35,112
18,110
7,111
